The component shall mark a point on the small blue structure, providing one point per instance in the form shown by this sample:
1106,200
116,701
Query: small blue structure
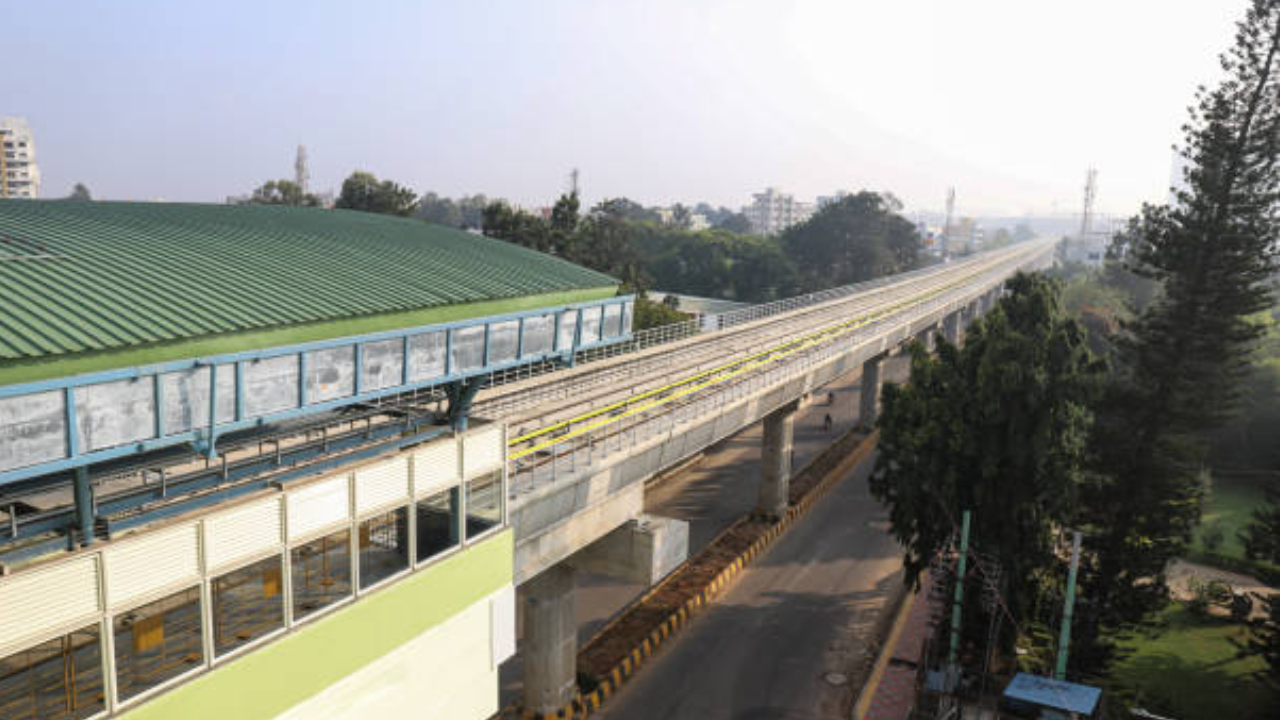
1041,697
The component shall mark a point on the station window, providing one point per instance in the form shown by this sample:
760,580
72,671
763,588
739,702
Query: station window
157,642
247,604
56,680
438,523
384,546
321,573
484,503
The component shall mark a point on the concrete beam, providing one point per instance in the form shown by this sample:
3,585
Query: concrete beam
869,397
644,550
550,640
775,460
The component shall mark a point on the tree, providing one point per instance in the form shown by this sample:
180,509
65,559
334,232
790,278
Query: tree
80,192
362,191
439,210
998,427
1182,360
564,222
516,226
859,237
282,192
734,223
606,241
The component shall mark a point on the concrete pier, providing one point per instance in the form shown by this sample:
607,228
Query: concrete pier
869,400
550,640
775,460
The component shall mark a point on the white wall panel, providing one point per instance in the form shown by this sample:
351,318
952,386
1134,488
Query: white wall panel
242,533
502,625
141,566
482,450
39,601
435,466
318,506
381,484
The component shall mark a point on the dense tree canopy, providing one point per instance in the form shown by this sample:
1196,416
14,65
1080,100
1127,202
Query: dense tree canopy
998,427
80,192
363,191
859,237
282,192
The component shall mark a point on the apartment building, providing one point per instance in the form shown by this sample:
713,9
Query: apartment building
19,173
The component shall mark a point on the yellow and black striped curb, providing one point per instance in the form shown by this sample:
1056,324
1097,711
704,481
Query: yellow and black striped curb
585,704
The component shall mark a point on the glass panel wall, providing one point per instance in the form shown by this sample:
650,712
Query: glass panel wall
439,524
60,679
321,573
484,503
503,338
612,320
568,326
247,604
590,326
384,546
467,349
157,642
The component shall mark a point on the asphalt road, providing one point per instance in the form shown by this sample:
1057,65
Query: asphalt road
830,574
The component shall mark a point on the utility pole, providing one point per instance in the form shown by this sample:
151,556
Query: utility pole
953,657
1064,638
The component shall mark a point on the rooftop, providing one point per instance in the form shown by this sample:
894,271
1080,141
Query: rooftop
94,285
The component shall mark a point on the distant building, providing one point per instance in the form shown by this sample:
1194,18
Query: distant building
825,200
19,173
1087,249
698,221
772,211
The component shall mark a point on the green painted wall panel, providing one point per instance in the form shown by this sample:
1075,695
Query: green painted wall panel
270,679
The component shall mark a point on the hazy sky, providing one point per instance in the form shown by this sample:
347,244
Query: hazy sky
1008,100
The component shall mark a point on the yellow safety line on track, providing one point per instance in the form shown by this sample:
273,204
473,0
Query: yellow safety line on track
608,408
746,363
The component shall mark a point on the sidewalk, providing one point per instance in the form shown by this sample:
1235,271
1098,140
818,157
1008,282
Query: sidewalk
894,693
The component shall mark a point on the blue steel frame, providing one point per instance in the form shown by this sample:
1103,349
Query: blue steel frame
204,438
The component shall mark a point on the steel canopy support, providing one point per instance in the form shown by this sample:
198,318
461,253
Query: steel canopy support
84,505
460,394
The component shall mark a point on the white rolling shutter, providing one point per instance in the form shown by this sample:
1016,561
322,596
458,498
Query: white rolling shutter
482,450
382,484
36,602
241,533
318,506
139,567
435,467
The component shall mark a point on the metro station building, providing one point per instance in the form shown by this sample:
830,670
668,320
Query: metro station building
239,476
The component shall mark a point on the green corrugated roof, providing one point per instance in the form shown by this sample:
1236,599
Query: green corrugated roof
86,277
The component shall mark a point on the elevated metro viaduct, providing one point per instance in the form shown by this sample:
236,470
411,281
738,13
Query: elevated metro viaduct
237,473
246,496
586,439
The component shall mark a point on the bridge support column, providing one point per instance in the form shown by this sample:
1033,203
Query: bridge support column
951,328
869,398
925,338
550,640
775,460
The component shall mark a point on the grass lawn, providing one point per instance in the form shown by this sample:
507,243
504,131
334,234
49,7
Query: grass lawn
1188,668
1230,504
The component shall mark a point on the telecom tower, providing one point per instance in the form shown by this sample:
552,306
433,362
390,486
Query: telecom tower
301,176
573,181
951,212
1090,191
